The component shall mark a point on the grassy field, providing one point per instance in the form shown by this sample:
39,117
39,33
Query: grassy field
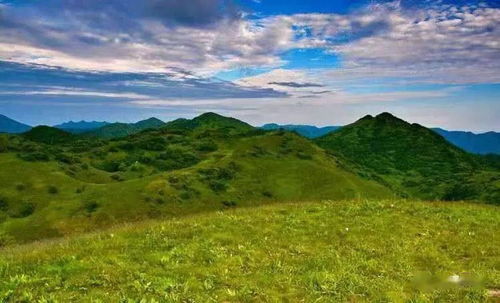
347,251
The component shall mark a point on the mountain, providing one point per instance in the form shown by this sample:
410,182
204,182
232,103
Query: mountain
307,131
80,127
119,130
48,135
7,125
486,143
412,159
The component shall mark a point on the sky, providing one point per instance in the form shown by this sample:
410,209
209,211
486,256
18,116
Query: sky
433,62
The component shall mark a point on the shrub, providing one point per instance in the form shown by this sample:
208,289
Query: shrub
90,206
34,156
4,204
217,185
4,143
208,146
24,209
20,186
229,203
267,194
52,190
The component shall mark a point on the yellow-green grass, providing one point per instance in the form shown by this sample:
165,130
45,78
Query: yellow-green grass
84,201
345,251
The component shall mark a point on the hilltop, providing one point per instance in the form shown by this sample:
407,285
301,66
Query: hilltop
120,130
413,160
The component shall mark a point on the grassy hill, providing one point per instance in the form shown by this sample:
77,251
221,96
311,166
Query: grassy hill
344,251
53,190
120,130
48,135
413,160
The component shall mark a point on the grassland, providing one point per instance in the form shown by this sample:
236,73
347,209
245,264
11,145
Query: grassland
345,251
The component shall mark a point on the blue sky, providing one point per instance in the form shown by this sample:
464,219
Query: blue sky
313,62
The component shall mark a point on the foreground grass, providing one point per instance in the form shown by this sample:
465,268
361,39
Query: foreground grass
352,251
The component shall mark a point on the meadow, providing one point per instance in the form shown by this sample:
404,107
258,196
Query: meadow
329,251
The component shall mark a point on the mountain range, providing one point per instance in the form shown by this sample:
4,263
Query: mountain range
64,182
484,143
307,131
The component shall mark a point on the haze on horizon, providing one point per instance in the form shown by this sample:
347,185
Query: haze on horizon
316,62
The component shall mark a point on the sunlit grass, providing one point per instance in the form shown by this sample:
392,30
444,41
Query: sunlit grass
351,251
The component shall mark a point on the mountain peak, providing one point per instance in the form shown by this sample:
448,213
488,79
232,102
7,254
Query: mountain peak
8,125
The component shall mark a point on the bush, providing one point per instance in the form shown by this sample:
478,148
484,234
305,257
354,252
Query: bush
52,190
90,206
4,204
229,203
4,143
24,209
217,185
208,146
20,186
34,156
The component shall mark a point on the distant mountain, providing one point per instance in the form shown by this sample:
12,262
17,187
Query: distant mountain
412,159
307,131
119,130
48,135
81,127
7,125
486,143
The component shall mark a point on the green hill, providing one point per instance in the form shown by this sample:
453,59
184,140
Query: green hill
120,130
48,135
209,121
218,163
413,160
343,251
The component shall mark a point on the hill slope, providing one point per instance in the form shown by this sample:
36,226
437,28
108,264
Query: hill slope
344,251
7,125
307,131
120,130
84,185
413,159
486,143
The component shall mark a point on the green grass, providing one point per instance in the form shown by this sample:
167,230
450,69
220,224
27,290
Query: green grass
242,171
346,251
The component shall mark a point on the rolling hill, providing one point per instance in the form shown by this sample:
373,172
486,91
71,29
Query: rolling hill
120,130
413,160
211,163
9,126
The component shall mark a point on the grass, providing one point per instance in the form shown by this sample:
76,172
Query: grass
346,251
46,199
